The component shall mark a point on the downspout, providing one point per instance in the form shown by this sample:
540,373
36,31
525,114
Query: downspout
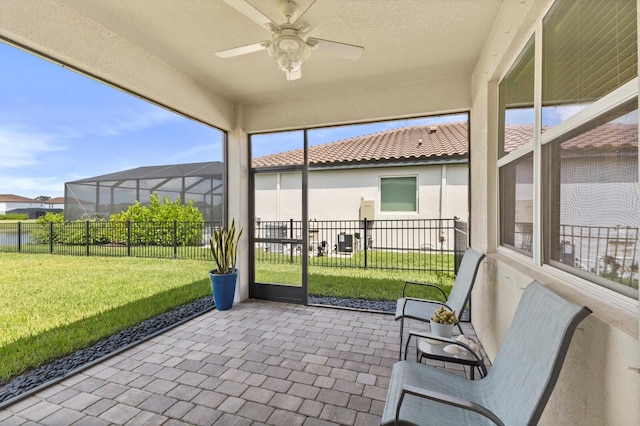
443,191
278,187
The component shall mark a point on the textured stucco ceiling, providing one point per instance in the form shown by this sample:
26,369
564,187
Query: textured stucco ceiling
404,40
419,56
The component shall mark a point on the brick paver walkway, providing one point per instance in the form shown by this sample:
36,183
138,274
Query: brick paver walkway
259,363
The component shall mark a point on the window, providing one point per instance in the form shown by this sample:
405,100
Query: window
516,176
579,168
516,103
399,194
593,207
516,204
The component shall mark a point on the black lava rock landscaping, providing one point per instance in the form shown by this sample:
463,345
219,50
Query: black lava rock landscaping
362,304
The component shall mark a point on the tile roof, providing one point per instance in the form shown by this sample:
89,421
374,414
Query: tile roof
56,200
10,198
441,141
612,135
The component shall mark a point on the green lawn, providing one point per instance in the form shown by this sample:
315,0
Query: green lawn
373,284
52,306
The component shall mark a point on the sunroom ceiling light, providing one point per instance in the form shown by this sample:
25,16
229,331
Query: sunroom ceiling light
289,52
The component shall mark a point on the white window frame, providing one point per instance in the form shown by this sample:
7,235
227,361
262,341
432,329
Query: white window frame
623,94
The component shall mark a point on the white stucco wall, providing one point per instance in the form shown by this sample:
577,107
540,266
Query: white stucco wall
336,194
600,380
335,198
9,206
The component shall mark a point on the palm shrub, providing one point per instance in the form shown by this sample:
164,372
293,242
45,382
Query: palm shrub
224,248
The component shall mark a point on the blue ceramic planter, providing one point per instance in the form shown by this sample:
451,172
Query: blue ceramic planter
224,288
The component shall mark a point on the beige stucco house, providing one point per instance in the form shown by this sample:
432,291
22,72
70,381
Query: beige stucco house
430,160
502,61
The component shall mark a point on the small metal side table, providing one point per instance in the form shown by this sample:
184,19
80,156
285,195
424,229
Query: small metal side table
433,347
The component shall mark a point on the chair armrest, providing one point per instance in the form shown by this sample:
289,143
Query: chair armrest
445,399
444,295
426,301
478,356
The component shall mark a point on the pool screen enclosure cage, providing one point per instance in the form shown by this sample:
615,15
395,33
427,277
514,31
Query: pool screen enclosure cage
102,196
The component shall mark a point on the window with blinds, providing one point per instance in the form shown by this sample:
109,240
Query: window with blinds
516,103
570,198
590,48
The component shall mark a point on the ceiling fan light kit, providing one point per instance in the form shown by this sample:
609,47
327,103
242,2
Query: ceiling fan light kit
288,46
290,52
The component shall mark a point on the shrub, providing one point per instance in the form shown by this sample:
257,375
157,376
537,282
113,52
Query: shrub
14,216
53,226
153,224
45,231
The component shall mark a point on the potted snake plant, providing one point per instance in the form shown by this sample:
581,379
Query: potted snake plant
224,250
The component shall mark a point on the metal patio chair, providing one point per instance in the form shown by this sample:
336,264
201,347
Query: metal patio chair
518,385
422,309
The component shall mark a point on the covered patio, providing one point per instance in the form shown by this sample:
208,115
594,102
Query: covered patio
259,363
266,362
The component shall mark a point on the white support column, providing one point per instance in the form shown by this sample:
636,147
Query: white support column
238,199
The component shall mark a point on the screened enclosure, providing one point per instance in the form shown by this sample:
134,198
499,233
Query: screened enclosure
102,196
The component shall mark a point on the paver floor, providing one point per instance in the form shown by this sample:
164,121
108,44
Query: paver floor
258,363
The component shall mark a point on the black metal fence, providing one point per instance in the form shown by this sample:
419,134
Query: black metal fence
413,244
174,239
610,252
418,244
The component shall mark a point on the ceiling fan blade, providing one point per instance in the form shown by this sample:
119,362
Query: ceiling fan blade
248,10
294,75
243,50
316,13
342,50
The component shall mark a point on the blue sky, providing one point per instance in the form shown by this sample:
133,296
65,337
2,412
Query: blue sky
58,126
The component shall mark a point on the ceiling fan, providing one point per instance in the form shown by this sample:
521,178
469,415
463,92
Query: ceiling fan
288,45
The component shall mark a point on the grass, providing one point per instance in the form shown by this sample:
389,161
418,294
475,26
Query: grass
188,252
54,305
372,284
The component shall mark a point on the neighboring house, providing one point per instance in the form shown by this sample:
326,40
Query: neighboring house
421,173
56,203
389,177
418,172
15,204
